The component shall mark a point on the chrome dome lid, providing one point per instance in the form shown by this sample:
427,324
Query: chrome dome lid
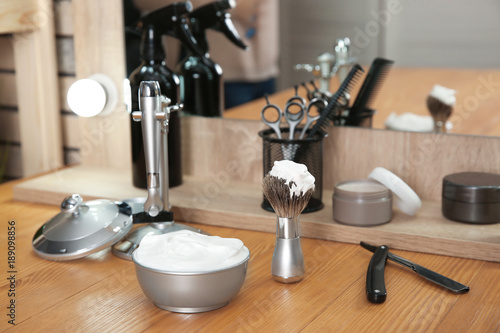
82,228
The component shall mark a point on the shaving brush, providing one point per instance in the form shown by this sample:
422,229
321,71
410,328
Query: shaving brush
440,103
288,188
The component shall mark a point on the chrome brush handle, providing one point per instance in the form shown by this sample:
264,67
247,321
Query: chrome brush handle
288,260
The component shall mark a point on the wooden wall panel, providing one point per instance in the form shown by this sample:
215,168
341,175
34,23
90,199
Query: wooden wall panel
99,48
6,53
71,133
9,126
63,12
9,116
36,78
8,90
14,167
65,56
64,83
20,15
420,159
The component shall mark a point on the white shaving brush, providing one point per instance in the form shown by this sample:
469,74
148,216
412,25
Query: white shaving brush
288,188
440,103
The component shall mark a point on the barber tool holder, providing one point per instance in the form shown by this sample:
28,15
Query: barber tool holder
154,115
330,65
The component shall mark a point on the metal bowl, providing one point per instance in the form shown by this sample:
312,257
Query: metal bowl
191,292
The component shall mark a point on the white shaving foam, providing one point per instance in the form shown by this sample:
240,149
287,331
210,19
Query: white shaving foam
445,95
188,251
297,173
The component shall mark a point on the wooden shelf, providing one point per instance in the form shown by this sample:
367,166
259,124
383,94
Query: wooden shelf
237,205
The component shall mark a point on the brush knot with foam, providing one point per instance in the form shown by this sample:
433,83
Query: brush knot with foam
440,103
288,187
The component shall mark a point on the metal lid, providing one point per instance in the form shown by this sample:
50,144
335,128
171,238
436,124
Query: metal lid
473,187
82,228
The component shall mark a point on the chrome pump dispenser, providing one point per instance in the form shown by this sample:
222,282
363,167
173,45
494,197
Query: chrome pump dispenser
201,78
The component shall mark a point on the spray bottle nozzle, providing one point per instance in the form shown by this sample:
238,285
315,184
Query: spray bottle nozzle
172,20
214,16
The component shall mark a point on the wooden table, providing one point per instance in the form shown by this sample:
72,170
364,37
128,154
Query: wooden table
100,292
406,90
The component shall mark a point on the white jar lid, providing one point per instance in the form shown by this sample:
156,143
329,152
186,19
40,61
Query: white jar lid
404,197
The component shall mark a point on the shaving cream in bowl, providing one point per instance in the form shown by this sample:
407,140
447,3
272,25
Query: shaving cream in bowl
188,272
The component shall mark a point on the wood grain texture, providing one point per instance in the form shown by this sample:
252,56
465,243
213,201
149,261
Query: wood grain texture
8,90
420,159
21,16
36,82
99,49
101,293
228,202
63,15
64,83
9,126
7,53
14,167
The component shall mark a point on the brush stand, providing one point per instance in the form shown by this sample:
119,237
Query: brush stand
154,117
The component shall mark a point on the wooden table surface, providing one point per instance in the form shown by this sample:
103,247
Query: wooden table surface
100,293
405,90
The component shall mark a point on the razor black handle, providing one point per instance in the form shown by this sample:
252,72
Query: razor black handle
375,282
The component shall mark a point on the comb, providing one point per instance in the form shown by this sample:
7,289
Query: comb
329,112
374,79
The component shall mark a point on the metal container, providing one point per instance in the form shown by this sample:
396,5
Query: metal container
191,292
472,197
362,203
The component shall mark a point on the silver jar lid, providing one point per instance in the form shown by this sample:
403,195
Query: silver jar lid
82,228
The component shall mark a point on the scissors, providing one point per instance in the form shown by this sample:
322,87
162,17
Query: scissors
320,103
294,113
274,124
297,98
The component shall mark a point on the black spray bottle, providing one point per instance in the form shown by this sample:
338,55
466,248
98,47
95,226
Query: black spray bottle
201,78
170,20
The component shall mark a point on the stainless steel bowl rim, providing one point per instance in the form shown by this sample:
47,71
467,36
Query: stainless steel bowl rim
190,273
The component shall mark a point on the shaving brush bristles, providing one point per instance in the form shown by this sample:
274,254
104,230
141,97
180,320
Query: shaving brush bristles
277,192
440,103
439,110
